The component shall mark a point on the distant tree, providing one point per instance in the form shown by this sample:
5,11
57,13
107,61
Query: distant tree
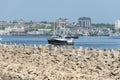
2,27
102,25
50,27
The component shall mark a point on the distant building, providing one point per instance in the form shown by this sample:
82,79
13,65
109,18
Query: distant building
61,22
15,29
84,22
117,24
4,23
60,25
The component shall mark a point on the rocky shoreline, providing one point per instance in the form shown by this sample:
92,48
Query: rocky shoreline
21,62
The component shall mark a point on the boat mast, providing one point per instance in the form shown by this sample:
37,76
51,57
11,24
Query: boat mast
54,31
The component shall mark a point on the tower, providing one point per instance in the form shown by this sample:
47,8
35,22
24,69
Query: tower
117,24
84,22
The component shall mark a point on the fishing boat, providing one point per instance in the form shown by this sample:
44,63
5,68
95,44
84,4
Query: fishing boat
59,40
115,36
75,36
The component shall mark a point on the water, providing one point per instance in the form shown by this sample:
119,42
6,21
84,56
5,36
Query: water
90,42
98,42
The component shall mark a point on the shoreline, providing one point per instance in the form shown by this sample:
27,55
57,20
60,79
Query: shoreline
22,62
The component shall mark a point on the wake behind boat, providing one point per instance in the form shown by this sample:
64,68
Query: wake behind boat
59,40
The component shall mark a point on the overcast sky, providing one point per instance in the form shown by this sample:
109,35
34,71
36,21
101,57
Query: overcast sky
100,11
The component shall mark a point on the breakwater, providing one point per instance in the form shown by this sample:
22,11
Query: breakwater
22,62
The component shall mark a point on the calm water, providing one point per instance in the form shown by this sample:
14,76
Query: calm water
90,42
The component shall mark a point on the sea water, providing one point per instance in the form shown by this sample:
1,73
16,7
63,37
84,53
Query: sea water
101,42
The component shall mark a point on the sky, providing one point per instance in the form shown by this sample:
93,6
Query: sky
100,11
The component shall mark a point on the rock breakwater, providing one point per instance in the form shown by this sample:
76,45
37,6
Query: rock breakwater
21,62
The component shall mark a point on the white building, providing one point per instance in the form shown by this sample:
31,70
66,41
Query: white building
117,24
40,31
4,32
15,29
